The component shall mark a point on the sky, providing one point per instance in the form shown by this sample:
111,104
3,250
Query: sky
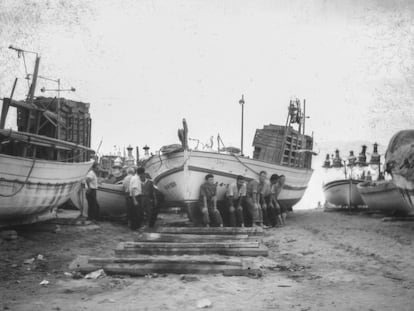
144,65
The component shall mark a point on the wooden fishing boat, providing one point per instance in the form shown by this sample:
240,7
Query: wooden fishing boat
111,200
43,162
395,195
281,150
385,196
343,192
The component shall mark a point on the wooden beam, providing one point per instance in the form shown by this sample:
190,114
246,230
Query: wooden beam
160,268
35,139
151,244
260,251
168,237
212,230
213,260
141,269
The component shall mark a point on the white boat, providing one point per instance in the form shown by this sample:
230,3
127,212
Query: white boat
343,192
32,189
43,162
111,200
385,196
179,173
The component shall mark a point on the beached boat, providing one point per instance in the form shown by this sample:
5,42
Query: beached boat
111,200
385,196
395,195
343,192
179,171
43,163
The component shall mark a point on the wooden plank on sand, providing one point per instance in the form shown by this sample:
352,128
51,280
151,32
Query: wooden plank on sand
161,268
259,251
223,244
212,260
212,230
192,238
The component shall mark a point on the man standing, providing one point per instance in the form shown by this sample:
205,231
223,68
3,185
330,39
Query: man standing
208,191
148,196
91,182
135,216
263,192
254,212
236,194
128,197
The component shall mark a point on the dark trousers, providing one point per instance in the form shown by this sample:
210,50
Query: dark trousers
251,213
265,211
93,207
211,216
129,206
236,218
273,213
142,213
135,216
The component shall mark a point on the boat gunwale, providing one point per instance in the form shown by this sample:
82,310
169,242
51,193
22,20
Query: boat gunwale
180,154
27,159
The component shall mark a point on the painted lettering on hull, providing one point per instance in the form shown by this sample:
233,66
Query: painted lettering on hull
170,185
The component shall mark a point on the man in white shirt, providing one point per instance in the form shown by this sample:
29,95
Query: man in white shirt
128,198
135,190
91,182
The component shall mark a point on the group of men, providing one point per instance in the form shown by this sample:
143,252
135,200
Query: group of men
142,197
247,203
252,203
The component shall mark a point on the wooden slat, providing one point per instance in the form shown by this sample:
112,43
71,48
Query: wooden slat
82,264
169,237
213,260
226,244
145,269
212,230
260,251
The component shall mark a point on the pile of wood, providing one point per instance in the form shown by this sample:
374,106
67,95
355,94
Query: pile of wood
181,251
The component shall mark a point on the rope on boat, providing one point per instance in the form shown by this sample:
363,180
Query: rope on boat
248,167
24,184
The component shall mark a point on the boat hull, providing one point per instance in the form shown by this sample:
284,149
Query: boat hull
343,192
111,200
387,197
179,175
31,190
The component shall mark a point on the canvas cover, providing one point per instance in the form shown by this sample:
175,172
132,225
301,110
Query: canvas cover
399,158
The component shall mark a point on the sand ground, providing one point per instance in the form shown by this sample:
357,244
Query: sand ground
319,261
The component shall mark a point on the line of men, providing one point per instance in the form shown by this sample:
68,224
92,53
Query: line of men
254,203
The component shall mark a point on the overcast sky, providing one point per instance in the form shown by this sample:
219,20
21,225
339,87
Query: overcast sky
145,65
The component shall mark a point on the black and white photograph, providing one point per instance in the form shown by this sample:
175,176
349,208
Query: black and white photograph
219,155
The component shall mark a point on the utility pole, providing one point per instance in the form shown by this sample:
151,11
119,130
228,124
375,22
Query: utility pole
241,102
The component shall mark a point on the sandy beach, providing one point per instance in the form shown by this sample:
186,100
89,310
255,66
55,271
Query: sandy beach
319,261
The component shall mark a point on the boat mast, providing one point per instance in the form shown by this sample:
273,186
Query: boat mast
241,102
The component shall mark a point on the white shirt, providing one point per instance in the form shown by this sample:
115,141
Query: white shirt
126,184
92,179
236,192
135,186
